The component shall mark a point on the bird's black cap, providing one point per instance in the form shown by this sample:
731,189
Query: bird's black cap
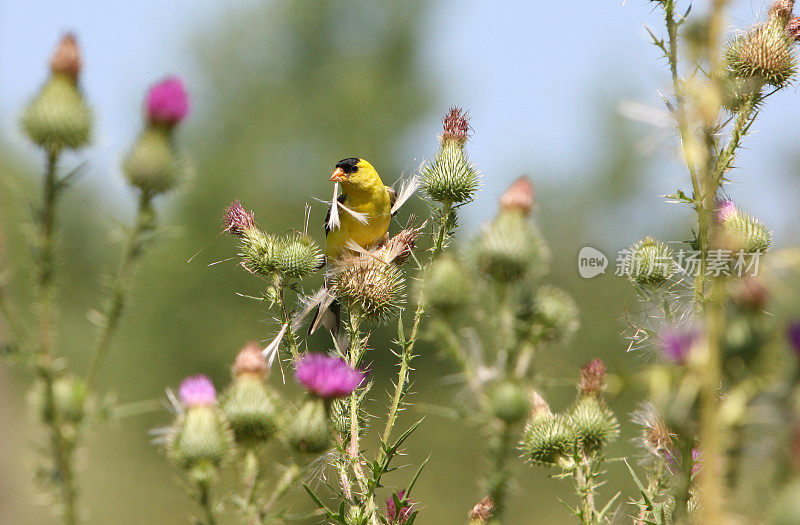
348,165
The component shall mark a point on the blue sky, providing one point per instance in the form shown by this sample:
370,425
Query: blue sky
531,73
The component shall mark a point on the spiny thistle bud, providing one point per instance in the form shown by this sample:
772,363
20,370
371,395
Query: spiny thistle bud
793,28
356,515
153,164
519,196
248,404
595,425
308,430
167,102
297,256
369,286
401,515
58,117
738,92
649,263
548,440
328,377
259,252
593,378
399,248
739,231
656,437
67,58
765,53
556,313
781,9
237,220
455,125
482,512
443,287
450,177
510,249
510,402
201,438
69,400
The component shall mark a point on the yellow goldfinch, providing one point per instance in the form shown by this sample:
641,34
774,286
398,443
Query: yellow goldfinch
360,215
364,208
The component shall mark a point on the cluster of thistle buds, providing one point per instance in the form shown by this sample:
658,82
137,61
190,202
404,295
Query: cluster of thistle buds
292,256
584,430
762,55
249,414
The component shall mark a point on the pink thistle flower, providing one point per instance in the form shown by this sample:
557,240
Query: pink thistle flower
593,378
328,377
519,196
676,343
405,511
167,102
197,391
236,219
455,125
726,210
250,360
793,335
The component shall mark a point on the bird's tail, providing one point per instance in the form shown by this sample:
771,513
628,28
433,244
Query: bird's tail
328,315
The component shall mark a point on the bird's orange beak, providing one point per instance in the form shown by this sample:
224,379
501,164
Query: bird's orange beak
338,175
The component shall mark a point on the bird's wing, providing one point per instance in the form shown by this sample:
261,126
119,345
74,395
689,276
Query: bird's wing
341,198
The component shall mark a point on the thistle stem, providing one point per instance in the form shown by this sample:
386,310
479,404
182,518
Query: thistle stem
204,498
290,476
500,446
120,288
61,448
291,336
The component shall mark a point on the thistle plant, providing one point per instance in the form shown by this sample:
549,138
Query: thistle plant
708,321
367,287
66,401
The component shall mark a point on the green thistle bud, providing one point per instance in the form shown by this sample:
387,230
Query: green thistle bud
58,116
764,53
297,256
548,439
69,399
595,425
250,409
443,287
557,314
259,252
152,164
738,93
510,402
741,231
369,286
201,437
510,249
356,516
649,263
451,177
308,431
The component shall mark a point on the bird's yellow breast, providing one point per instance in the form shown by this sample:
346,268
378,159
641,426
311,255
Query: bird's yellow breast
372,200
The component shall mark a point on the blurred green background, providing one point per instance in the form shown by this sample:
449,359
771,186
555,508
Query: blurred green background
281,91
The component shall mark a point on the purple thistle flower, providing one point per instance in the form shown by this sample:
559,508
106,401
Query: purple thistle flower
197,391
673,459
328,377
405,511
726,210
793,335
167,102
237,220
676,343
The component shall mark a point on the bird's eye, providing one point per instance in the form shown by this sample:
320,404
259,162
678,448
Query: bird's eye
355,169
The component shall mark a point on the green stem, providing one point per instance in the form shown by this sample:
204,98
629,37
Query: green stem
291,337
251,477
444,229
500,446
290,476
585,480
121,285
206,503
61,446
